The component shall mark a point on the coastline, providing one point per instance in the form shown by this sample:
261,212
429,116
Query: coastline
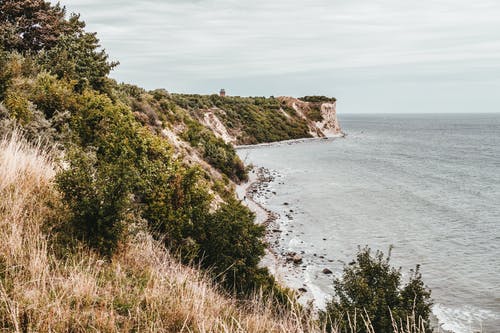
286,267
289,142
279,262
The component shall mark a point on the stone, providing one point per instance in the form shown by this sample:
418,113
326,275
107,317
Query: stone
303,290
327,271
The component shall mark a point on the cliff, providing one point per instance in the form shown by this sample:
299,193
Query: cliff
321,116
252,120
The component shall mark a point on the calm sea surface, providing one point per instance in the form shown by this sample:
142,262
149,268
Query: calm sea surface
427,184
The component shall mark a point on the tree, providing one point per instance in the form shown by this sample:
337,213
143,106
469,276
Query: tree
31,25
370,291
62,46
78,57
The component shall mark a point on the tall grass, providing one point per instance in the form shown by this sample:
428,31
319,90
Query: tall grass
142,289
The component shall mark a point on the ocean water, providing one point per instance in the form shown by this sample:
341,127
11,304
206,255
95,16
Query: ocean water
428,185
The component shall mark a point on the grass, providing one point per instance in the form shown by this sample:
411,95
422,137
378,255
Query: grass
141,289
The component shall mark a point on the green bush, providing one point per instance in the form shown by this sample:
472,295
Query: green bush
51,95
371,290
99,182
98,196
231,243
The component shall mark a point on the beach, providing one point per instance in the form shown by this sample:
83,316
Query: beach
287,266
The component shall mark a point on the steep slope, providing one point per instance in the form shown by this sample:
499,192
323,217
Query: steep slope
143,289
319,112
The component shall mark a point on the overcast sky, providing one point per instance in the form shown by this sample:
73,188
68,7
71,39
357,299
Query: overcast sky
373,55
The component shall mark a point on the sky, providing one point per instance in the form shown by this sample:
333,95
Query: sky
374,56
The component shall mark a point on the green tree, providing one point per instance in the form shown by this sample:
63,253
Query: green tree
370,291
78,56
31,25
231,244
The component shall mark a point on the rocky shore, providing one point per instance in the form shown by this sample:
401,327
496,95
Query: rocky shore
289,266
286,265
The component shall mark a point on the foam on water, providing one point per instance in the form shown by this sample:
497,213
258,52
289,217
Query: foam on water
464,319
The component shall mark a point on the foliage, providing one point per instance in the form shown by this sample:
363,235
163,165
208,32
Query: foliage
370,290
251,119
98,184
31,25
318,99
222,245
219,154
61,46
52,96
78,57
98,195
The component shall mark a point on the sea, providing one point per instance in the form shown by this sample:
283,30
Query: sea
427,186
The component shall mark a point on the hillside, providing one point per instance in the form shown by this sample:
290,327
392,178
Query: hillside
251,120
117,178
118,210
143,288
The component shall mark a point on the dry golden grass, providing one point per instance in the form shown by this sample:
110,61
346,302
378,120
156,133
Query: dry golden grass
142,289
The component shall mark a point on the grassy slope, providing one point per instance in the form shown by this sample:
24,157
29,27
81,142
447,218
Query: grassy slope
141,289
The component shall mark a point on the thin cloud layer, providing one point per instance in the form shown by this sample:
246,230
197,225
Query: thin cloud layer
325,45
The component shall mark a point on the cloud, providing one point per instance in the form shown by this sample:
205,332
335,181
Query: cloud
174,42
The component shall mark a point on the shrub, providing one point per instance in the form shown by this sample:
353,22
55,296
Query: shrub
215,151
98,195
102,174
371,291
51,95
231,243
318,99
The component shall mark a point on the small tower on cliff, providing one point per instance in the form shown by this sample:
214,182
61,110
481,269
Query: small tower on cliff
222,93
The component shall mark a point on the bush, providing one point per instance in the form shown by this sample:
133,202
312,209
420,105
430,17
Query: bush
371,291
103,172
98,196
231,244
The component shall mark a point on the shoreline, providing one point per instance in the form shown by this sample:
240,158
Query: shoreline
286,267
289,142
277,259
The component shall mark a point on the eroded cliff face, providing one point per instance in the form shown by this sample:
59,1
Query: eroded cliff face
211,121
329,126
320,116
